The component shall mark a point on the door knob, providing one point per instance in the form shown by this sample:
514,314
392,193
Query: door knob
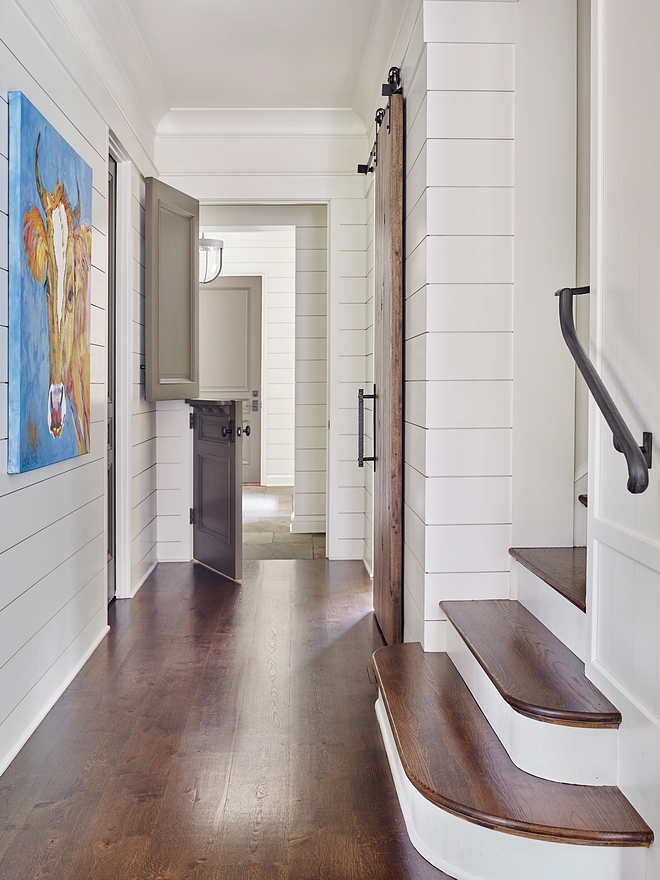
247,431
225,431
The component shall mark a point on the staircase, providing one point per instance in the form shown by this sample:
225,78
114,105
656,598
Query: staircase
503,753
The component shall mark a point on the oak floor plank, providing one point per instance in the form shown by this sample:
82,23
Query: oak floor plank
221,731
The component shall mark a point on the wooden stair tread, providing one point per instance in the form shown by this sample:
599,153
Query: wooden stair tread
454,759
563,568
532,669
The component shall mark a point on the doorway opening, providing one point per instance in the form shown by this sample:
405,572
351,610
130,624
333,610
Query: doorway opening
284,509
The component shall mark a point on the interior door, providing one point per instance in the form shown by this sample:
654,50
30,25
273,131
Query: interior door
217,487
230,356
172,299
388,375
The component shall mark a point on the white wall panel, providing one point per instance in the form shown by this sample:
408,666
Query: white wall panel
470,66
470,114
454,21
463,162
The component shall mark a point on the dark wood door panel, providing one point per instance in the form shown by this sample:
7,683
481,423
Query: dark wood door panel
217,487
215,497
388,375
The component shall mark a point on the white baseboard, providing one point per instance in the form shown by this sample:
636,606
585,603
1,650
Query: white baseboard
279,480
307,524
143,579
48,705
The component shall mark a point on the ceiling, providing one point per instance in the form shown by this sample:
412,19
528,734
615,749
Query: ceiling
245,53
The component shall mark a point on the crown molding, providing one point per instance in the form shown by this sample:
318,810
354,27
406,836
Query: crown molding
261,122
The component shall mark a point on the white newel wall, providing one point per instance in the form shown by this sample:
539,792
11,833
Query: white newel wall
52,540
474,79
459,288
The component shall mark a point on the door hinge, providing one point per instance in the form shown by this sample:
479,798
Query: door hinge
192,516
192,419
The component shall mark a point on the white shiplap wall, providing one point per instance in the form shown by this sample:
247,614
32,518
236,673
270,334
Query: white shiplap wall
311,329
348,239
458,80
52,543
52,521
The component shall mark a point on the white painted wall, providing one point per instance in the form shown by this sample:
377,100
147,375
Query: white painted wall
545,260
52,549
623,587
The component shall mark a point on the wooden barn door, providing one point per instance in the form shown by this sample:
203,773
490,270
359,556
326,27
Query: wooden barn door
388,375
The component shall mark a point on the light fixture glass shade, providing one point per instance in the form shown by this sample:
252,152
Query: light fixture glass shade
210,259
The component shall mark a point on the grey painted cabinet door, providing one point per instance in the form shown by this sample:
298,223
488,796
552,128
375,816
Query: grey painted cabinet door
172,293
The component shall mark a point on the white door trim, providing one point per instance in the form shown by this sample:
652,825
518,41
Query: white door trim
124,319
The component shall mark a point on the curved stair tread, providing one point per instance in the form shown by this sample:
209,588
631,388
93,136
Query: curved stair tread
531,668
452,756
563,568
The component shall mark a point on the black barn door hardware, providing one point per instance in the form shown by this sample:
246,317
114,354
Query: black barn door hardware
361,399
638,458
391,87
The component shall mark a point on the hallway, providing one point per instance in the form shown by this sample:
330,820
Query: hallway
219,731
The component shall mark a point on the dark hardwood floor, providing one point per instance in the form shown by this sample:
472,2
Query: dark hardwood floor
219,731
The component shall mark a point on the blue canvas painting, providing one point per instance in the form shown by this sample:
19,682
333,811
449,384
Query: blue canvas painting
50,248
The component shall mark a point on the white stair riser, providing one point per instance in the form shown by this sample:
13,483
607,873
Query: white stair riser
467,851
560,616
578,755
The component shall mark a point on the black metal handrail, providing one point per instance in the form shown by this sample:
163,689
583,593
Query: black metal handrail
638,458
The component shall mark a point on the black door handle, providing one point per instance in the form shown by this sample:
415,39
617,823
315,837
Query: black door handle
361,456
247,431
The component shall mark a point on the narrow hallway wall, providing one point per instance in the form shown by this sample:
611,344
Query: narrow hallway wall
52,536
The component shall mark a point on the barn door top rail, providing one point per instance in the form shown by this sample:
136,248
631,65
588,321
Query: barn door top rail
638,458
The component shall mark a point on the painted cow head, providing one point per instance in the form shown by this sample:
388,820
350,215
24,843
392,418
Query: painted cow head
58,247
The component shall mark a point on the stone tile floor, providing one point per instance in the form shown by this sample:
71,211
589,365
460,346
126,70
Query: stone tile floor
266,520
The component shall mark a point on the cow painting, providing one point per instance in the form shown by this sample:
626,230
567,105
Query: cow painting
50,280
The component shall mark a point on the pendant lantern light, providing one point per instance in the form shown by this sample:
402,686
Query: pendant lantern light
210,259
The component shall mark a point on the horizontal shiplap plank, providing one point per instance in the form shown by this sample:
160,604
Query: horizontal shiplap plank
26,512
470,66
470,115
454,21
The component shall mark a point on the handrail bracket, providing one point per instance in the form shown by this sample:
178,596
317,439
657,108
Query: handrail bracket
646,448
